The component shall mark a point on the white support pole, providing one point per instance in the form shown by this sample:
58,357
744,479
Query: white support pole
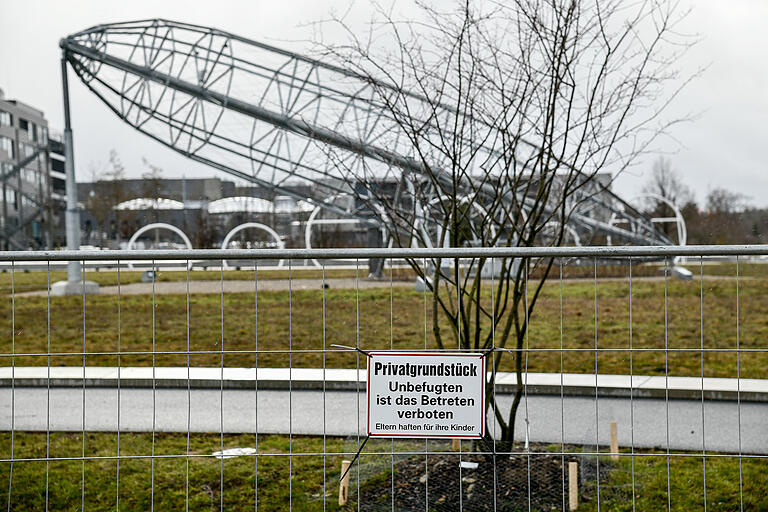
75,284
72,216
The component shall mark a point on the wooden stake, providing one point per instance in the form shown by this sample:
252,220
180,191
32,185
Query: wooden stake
573,485
614,442
457,445
344,483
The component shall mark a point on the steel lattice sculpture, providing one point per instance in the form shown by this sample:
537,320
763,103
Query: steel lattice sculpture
278,119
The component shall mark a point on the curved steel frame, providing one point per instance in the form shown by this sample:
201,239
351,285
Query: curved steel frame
193,88
678,219
682,230
252,225
158,225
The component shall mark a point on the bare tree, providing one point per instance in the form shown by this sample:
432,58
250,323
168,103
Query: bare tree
152,187
723,201
726,218
204,234
665,184
107,192
721,222
504,114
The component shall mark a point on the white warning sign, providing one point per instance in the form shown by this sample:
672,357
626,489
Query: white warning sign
426,394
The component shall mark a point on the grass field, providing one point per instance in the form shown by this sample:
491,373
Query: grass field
682,318
168,490
21,281
728,486
173,483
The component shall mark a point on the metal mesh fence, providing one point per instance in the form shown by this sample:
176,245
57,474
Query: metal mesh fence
204,388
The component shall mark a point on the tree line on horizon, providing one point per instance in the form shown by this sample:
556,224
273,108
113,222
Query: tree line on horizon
723,217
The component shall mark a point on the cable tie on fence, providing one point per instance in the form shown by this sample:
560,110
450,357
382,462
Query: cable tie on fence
490,351
357,456
504,349
351,348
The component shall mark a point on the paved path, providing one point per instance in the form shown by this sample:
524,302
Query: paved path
247,286
180,287
342,413
349,379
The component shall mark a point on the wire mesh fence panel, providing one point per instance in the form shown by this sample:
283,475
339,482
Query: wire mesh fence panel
610,383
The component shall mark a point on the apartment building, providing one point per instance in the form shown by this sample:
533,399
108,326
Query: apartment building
30,206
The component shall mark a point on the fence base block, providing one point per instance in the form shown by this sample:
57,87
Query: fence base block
61,288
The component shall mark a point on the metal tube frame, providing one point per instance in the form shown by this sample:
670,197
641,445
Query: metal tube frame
651,251
141,71
72,215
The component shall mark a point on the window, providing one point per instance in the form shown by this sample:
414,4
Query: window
23,124
29,175
6,119
26,149
6,144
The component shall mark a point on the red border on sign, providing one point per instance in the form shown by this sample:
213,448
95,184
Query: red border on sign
424,354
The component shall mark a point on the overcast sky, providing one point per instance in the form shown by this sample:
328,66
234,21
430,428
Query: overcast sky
725,146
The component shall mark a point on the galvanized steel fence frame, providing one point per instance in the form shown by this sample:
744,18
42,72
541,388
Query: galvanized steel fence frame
630,256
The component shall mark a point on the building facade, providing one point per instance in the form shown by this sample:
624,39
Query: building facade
207,210
31,179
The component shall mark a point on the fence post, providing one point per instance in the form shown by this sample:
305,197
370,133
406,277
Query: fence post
344,483
457,445
573,485
614,442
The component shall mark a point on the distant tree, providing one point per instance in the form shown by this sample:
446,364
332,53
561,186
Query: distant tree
666,182
116,192
152,186
721,201
107,192
204,234
754,222
724,219
722,223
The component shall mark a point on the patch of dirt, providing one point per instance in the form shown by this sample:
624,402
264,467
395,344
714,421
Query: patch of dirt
535,482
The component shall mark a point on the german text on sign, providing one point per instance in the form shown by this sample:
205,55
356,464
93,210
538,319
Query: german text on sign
426,394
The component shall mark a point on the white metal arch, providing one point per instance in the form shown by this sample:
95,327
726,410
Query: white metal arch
682,230
253,225
312,220
159,225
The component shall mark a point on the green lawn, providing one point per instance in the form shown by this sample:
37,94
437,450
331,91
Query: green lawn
305,322
196,480
24,281
724,490
177,480
296,323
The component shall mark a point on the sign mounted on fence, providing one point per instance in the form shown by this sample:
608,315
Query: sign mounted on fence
426,394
